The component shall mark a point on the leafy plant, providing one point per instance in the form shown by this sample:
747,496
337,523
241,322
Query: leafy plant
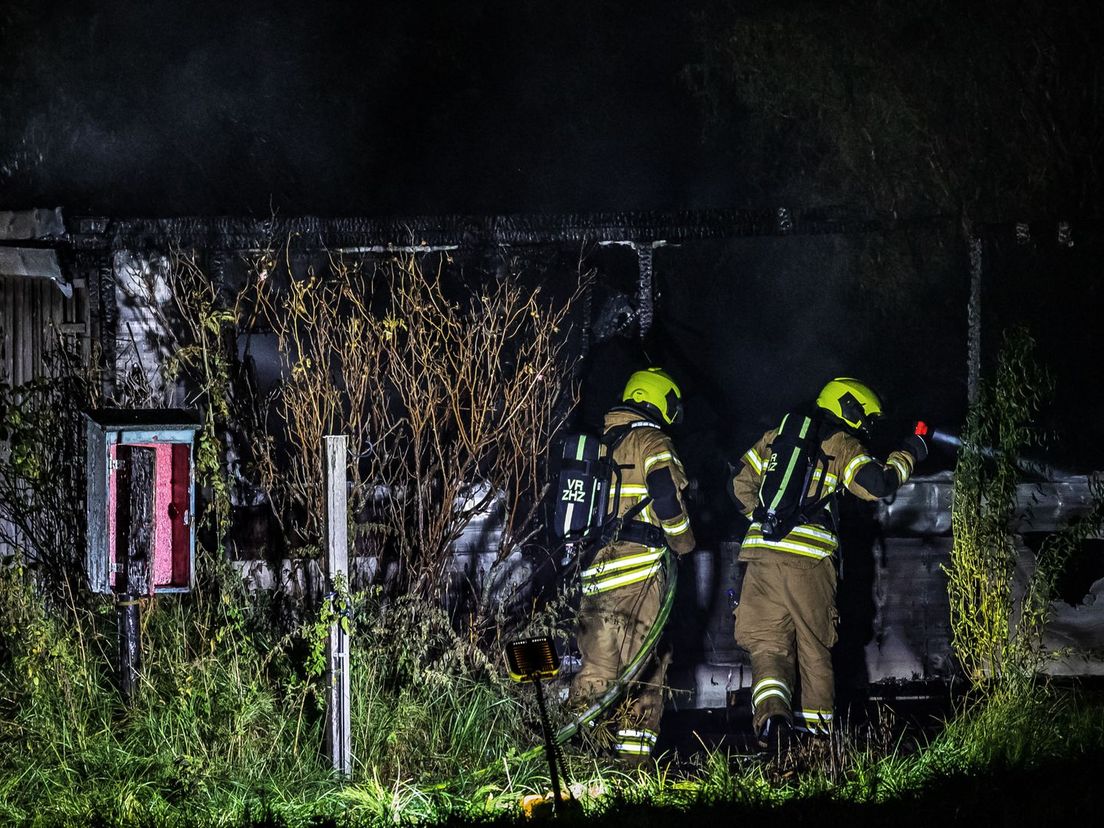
904,108
996,630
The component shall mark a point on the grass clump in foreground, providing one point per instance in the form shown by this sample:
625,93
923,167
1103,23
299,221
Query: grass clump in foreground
214,726
227,722
226,729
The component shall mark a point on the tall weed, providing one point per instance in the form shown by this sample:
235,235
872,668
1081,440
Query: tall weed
213,725
996,635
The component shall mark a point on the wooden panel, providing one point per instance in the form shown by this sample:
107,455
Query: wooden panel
180,514
38,328
5,373
137,437
6,329
26,332
98,557
134,521
11,311
34,317
19,329
54,339
16,351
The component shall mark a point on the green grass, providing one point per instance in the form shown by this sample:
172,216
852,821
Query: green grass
227,721
226,729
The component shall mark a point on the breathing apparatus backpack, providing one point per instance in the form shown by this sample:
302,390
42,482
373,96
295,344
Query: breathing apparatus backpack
588,487
784,499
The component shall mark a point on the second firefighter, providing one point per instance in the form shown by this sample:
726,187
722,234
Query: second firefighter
624,586
788,484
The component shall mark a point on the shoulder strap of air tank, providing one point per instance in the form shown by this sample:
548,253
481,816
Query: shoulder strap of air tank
817,451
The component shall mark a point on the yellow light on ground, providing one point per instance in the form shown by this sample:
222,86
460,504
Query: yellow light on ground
530,659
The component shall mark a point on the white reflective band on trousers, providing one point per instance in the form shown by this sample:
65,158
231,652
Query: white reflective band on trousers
814,721
657,458
635,742
767,688
619,572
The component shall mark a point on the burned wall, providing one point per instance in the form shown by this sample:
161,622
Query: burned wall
1045,277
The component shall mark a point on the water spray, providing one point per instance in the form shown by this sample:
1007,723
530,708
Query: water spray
1024,464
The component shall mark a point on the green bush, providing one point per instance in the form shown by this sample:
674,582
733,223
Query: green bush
988,642
228,717
214,725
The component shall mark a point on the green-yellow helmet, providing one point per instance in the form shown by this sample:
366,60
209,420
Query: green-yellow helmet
654,387
851,401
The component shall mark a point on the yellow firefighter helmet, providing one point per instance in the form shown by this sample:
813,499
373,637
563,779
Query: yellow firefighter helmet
653,388
850,400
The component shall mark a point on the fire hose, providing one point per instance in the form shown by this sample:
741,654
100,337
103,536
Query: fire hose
629,673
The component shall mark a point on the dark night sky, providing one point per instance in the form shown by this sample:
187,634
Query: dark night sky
168,108
162,108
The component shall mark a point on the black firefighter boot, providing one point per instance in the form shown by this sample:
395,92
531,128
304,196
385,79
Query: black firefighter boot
777,734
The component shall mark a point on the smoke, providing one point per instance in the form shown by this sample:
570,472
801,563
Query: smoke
163,108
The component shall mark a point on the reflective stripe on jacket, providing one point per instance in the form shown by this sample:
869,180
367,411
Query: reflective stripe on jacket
643,451
845,455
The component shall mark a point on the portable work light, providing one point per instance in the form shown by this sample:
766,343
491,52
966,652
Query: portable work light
531,659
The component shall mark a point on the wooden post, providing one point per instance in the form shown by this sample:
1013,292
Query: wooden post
645,291
338,736
973,321
133,550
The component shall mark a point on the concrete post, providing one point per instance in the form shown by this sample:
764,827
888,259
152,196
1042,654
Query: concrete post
338,735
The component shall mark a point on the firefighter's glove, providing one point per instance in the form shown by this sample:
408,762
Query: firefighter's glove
914,444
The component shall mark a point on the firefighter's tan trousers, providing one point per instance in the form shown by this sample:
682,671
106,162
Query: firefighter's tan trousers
612,627
787,619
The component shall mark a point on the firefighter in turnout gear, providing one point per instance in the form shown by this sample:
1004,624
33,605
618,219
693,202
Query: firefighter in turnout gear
786,617
623,586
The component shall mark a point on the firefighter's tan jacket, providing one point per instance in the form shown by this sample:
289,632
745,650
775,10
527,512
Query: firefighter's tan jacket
846,456
645,450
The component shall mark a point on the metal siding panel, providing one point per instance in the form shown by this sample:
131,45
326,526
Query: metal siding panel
911,627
